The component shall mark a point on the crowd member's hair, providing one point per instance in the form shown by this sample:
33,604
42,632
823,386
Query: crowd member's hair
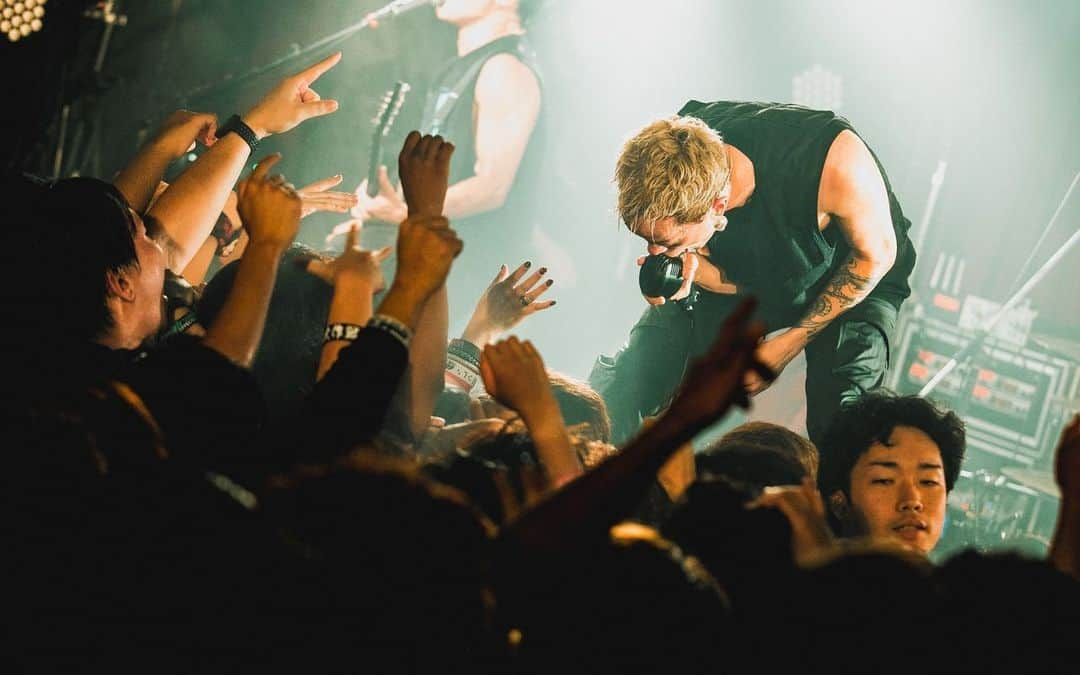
421,548
753,436
632,604
287,361
583,410
757,467
88,230
747,551
673,167
871,419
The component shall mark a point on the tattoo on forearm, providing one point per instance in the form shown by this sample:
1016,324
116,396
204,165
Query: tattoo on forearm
846,289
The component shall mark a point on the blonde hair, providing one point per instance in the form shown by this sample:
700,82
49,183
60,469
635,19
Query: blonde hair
673,167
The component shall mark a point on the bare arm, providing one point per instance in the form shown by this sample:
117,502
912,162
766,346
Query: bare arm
427,360
272,213
507,106
190,207
140,178
853,193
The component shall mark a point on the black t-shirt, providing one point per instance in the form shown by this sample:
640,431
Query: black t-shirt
772,246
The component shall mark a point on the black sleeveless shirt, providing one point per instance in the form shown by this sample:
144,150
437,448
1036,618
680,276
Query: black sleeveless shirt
772,246
500,235
448,108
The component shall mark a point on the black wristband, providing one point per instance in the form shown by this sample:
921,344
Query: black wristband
237,126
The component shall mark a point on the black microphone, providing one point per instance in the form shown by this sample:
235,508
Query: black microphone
397,7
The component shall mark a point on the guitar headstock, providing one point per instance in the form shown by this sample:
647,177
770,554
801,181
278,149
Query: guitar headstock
389,107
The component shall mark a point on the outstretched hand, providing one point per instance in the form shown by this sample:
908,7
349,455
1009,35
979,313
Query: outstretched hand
514,375
268,206
424,168
506,303
292,101
426,248
353,265
318,197
715,381
811,537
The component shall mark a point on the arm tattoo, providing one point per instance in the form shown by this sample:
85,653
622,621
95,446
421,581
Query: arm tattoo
846,289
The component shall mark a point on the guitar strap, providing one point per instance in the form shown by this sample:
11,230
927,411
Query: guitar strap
447,90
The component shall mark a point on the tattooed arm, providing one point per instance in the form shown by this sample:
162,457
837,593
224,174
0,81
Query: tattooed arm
853,195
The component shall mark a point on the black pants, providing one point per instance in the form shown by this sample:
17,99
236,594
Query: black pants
845,360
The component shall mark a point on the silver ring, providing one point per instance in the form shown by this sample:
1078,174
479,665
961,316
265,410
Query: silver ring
525,302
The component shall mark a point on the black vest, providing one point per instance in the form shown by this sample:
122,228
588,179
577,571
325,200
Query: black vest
772,246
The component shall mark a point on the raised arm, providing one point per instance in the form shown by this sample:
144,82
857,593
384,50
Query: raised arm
190,207
140,178
271,210
514,375
853,193
586,508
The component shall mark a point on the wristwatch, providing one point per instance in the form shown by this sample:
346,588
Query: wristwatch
237,126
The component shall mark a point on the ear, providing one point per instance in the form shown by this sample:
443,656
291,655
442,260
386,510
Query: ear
720,203
839,507
120,284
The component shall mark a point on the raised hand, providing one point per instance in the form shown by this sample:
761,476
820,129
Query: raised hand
715,382
426,248
811,538
353,265
269,207
180,131
514,375
318,197
387,205
424,168
506,303
292,101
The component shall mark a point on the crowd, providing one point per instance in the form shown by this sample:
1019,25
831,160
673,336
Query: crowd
289,466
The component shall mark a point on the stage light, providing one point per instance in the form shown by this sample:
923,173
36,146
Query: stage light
21,18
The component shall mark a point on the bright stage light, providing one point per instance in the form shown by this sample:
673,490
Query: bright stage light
20,18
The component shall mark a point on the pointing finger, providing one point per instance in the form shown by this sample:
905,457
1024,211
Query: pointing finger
316,71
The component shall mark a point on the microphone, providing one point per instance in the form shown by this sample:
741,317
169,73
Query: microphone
397,7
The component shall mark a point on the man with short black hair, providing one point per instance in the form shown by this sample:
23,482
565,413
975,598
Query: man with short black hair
888,466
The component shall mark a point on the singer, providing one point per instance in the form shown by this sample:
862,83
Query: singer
778,201
487,102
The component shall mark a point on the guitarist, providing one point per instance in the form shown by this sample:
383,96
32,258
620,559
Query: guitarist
487,103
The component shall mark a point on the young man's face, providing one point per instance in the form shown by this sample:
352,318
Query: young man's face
898,490
150,276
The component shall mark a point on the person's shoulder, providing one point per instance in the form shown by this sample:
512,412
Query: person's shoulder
505,74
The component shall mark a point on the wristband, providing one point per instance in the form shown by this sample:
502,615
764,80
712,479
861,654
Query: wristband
466,351
395,328
460,374
341,331
237,126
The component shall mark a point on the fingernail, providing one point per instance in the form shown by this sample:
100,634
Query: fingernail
554,302
543,270
550,281
528,264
